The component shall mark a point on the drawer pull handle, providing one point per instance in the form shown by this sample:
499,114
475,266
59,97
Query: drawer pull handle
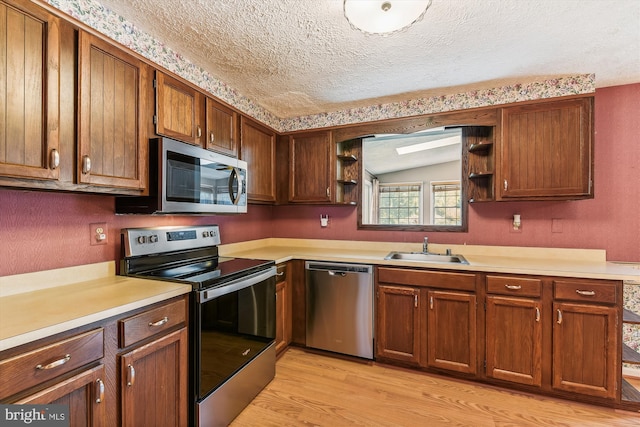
54,364
559,317
537,314
131,377
160,322
585,293
100,385
513,287
280,274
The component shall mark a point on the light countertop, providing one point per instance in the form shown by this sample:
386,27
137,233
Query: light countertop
40,304
37,305
581,263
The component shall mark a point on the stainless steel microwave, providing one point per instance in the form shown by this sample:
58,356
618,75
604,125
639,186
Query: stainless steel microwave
186,179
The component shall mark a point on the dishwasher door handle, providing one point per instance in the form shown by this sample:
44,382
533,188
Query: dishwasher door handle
336,273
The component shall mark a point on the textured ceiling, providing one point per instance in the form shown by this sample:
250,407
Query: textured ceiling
301,57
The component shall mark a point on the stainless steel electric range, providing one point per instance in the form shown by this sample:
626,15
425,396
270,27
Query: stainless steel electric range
232,314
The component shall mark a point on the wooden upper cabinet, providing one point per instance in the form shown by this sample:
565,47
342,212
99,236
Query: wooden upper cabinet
258,149
311,168
222,124
179,110
547,150
112,143
29,93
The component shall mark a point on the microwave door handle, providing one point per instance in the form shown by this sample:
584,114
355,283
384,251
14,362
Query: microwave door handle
235,177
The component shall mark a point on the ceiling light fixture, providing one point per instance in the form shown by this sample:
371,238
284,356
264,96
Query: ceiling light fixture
384,17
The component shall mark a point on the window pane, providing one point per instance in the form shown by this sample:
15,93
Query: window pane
399,203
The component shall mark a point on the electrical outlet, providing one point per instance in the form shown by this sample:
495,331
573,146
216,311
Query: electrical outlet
98,233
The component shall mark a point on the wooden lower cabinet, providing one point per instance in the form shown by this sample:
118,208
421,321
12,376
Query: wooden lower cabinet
514,339
82,393
398,329
153,382
451,331
283,309
585,349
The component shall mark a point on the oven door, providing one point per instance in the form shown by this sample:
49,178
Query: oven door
234,324
200,181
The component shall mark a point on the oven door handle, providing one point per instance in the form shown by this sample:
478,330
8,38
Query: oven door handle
236,285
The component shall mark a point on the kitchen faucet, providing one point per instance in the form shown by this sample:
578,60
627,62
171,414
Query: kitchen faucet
425,245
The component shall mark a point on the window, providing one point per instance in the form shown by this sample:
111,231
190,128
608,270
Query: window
446,207
400,203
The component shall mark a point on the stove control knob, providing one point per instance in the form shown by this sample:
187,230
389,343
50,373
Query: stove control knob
205,234
153,238
142,240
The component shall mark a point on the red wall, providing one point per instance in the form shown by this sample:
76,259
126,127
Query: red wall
43,230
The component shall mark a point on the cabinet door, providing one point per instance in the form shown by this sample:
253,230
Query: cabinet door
514,340
112,144
585,349
29,93
547,150
310,162
179,110
222,125
451,331
258,149
153,381
398,323
82,393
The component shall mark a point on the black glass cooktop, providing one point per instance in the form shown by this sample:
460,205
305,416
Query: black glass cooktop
210,272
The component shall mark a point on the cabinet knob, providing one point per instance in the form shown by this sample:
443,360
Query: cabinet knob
537,314
86,164
54,159
559,317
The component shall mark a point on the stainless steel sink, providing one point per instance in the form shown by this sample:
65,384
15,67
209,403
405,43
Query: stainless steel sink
427,257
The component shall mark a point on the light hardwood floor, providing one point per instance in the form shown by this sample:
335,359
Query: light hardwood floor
316,390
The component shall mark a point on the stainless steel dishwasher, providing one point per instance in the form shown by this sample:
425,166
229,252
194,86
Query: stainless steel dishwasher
340,307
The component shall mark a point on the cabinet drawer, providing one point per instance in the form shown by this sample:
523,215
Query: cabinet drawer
591,291
151,322
35,367
281,274
516,286
432,279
